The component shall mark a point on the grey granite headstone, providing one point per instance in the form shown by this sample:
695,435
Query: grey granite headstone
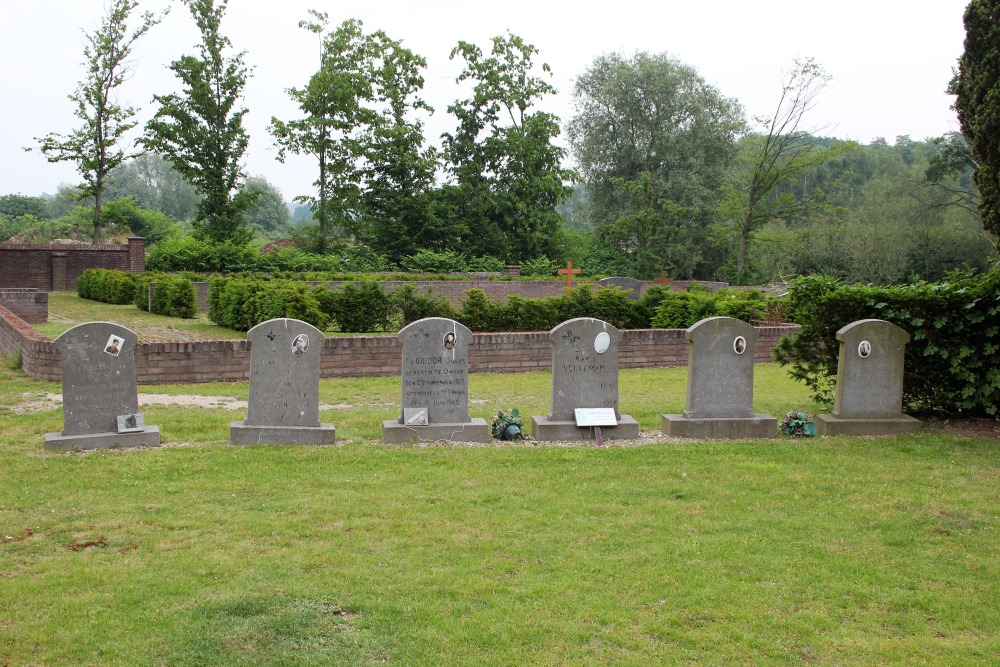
869,395
99,386
630,285
720,384
284,387
584,375
435,385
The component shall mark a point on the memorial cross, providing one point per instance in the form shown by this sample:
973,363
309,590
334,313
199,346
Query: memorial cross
569,271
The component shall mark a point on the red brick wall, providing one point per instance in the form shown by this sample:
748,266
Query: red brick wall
356,356
55,268
26,302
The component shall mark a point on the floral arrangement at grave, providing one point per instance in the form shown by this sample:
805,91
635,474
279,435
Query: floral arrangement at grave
508,426
797,424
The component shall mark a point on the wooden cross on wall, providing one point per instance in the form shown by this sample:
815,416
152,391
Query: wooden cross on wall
569,271
663,280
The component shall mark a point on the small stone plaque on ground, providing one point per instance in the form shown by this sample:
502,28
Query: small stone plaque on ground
869,394
584,375
719,402
99,386
284,386
434,377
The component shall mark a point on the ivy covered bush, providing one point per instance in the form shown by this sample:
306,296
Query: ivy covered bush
107,286
952,362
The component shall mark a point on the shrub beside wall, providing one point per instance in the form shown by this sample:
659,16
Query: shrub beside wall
952,361
172,295
107,286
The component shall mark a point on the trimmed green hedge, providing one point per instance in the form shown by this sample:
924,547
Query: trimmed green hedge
173,295
107,286
952,362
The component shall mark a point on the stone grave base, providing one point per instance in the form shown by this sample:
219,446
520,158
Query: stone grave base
543,428
241,434
148,437
473,431
832,425
742,428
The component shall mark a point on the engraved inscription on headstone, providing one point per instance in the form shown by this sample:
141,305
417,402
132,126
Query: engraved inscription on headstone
719,401
99,387
584,375
434,378
869,394
435,370
284,386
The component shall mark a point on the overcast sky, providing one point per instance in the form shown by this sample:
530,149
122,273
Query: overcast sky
890,59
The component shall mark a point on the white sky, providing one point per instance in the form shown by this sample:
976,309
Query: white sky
890,59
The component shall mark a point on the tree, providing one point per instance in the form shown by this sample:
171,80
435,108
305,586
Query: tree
201,132
94,146
508,174
780,155
270,213
333,115
399,211
154,184
977,90
14,206
654,143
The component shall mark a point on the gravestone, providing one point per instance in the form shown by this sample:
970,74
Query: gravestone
869,394
584,375
100,397
284,387
435,385
632,286
719,402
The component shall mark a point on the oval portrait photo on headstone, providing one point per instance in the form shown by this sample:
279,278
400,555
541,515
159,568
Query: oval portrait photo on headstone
864,349
449,340
114,345
602,342
300,344
740,345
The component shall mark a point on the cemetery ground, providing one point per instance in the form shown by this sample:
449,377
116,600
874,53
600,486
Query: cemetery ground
834,551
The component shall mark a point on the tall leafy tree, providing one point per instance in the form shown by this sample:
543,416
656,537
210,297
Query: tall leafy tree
400,207
94,146
780,154
335,110
201,130
154,184
507,172
270,213
977,86
654,142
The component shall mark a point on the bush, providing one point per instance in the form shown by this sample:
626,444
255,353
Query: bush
107,286
542,266
412,306
360,308
428,261
679,310
241,303
174,296
952,362
486,264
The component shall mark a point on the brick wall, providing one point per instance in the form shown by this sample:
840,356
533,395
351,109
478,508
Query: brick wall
356,356
55,268
26,302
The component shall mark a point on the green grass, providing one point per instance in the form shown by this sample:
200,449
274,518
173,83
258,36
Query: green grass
831,551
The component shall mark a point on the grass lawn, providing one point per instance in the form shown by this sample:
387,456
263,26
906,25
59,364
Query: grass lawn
831,551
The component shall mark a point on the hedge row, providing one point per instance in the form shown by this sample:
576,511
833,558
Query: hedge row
107,286
952,362
173,295
242,302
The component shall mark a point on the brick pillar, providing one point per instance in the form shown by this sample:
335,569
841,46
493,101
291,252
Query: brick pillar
136,254
58,272
512,269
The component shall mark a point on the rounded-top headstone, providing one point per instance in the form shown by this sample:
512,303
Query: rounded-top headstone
584,367
435,369
98,377
284,373
720,368
870,370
